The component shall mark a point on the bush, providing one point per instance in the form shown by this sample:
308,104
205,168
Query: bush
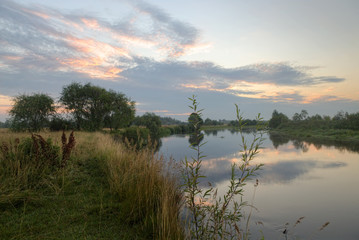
150,121
60,124
165,131
136,136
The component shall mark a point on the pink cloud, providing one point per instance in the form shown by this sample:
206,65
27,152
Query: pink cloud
91,23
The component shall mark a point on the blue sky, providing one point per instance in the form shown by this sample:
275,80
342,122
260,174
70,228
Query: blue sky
262,55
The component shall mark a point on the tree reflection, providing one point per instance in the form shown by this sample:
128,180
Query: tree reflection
303,144
194,140
278,139
211,132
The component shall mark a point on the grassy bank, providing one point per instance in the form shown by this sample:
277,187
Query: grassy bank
104,191
216,127
335,135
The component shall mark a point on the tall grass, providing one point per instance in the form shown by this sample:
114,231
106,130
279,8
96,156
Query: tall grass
28,164
106,189
145,186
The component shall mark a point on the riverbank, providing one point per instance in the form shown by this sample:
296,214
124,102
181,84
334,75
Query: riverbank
335,135
104,190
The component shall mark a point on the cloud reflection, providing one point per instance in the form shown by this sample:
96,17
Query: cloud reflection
286,171
283,172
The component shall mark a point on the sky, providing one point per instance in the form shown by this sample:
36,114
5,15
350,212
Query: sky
260,54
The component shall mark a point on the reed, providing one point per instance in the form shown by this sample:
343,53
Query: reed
145,186
288,230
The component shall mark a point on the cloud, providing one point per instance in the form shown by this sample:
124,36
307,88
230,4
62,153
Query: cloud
44,49
43,39
5,104
270,81
174,36
201,73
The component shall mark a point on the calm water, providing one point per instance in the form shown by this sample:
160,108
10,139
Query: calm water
312,180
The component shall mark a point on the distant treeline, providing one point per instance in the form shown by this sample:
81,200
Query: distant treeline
5,124
91,108
207,122
302,120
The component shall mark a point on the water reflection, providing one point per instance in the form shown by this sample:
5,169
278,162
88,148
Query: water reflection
286,171
194,140
283,162
281,172
282,139
211,132
311,178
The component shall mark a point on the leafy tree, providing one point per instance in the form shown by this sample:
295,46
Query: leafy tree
339,116
93,106
86,103
195,118
346,121
59,123
150,121
210,122
353,121
170,121
277,119
31,112
122,111
303,115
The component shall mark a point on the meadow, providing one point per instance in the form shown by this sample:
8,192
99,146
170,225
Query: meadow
85,187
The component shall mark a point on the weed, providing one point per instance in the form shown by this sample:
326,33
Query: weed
28,165
288,231
213,216
67,147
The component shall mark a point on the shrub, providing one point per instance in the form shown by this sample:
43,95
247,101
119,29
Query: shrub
136,136
60,124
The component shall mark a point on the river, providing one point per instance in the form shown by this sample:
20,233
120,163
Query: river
317,181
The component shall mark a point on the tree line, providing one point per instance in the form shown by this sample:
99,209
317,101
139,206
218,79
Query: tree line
90,108
87,107
341,120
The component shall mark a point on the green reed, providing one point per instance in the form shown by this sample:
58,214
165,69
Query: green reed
213,216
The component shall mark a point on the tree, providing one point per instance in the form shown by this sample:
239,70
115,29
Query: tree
353,121
31,112
210,122
122,111
303,115
86,104
195,118
150,121
277,119
92,107
170,121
